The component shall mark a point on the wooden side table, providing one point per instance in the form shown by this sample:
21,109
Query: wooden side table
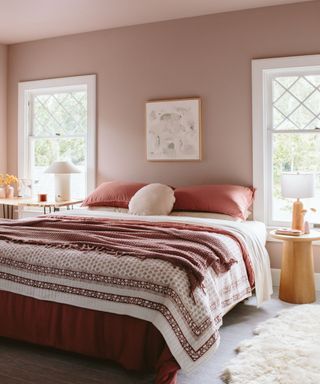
51,205
47,206
297,272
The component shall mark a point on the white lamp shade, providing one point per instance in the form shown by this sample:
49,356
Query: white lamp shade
62,167
297,185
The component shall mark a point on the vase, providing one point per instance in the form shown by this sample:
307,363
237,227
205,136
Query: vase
10,192
2,193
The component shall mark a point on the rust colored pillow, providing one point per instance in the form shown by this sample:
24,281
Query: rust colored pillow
112,194
233,200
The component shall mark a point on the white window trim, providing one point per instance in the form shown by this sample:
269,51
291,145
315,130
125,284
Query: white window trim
27,87
262,69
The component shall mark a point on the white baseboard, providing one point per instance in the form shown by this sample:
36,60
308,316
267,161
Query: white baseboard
276,278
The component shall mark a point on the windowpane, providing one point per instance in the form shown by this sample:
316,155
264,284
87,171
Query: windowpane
63,113
277,90
286,81
294,152
59,131
295,102
314,79
285,124
57,122
46,151
43,122
313,102
301,117
286,132
286,103
73,150
301,89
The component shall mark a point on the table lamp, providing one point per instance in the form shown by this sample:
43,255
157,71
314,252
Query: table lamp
297,186
62,171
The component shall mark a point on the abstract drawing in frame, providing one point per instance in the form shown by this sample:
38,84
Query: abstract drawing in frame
173,129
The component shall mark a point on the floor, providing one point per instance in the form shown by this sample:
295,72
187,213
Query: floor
25,364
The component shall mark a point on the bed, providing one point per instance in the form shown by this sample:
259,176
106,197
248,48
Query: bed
137,311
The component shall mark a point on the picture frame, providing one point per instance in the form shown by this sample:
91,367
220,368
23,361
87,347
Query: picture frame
173,129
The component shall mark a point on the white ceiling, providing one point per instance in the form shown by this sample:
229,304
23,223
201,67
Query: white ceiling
24,20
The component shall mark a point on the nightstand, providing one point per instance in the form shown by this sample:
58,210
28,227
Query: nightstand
297,273
51,206
48,206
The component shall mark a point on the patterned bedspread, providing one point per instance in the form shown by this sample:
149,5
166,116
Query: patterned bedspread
149,289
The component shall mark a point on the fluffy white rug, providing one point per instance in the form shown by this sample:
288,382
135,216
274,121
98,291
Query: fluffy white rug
286,350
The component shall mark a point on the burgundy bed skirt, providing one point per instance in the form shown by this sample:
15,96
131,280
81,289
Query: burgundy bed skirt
133,343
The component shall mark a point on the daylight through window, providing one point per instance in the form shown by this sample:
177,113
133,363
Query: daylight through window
59,132
295,132
286,132
57,123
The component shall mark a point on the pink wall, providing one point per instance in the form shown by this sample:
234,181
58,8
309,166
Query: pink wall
207,56
3,108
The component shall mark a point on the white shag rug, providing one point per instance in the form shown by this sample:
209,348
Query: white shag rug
285,350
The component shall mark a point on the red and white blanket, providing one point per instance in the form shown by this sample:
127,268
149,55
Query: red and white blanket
142,269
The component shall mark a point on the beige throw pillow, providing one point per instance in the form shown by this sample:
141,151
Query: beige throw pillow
152,200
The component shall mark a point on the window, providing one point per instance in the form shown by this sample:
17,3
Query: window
57,122
286,130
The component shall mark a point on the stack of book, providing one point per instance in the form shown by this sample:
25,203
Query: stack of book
289,232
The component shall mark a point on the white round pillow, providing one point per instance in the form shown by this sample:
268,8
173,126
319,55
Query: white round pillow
152,200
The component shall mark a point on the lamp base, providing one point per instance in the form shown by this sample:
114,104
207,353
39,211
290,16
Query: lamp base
62,187
297,216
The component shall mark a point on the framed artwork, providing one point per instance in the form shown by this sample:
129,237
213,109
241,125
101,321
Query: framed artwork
173,129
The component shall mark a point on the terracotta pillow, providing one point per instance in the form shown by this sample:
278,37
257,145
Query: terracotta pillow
112,194
232,200
153,199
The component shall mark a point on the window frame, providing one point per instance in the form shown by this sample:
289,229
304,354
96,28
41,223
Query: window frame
28,88
263,70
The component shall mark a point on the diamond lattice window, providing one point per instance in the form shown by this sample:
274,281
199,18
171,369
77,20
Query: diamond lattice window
58,132
295,135
296,102
60,114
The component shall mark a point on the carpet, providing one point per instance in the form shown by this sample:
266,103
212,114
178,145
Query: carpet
284,350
